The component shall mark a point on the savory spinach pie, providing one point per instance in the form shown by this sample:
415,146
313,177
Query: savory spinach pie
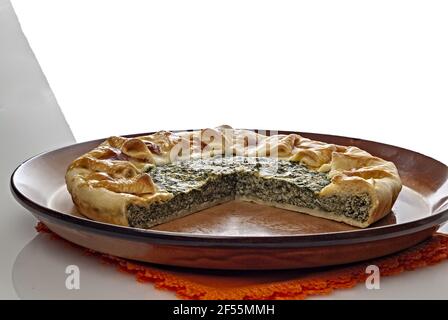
148,180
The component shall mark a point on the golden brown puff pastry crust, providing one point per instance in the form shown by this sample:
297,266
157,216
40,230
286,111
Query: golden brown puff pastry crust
104,181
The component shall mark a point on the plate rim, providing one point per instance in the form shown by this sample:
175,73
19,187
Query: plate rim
204,240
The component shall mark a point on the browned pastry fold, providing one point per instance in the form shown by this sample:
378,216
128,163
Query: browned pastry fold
107,179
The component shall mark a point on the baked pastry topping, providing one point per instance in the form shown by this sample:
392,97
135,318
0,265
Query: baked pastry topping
144,181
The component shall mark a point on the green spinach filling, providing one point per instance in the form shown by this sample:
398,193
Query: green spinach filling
196,183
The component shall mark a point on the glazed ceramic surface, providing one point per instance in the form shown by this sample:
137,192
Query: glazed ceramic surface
241,235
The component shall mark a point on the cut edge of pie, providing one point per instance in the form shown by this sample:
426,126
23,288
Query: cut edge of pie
113,179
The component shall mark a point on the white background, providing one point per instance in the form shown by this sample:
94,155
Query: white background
119,67
371,69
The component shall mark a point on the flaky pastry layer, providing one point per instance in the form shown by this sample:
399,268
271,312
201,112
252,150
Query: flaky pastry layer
106,180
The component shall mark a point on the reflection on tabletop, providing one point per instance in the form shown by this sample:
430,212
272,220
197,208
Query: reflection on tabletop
39,272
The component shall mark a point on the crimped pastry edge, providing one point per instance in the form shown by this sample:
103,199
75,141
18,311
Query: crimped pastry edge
122,161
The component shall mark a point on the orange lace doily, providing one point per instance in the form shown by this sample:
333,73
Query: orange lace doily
285,284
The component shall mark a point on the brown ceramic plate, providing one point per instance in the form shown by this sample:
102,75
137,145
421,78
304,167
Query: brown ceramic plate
240,235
